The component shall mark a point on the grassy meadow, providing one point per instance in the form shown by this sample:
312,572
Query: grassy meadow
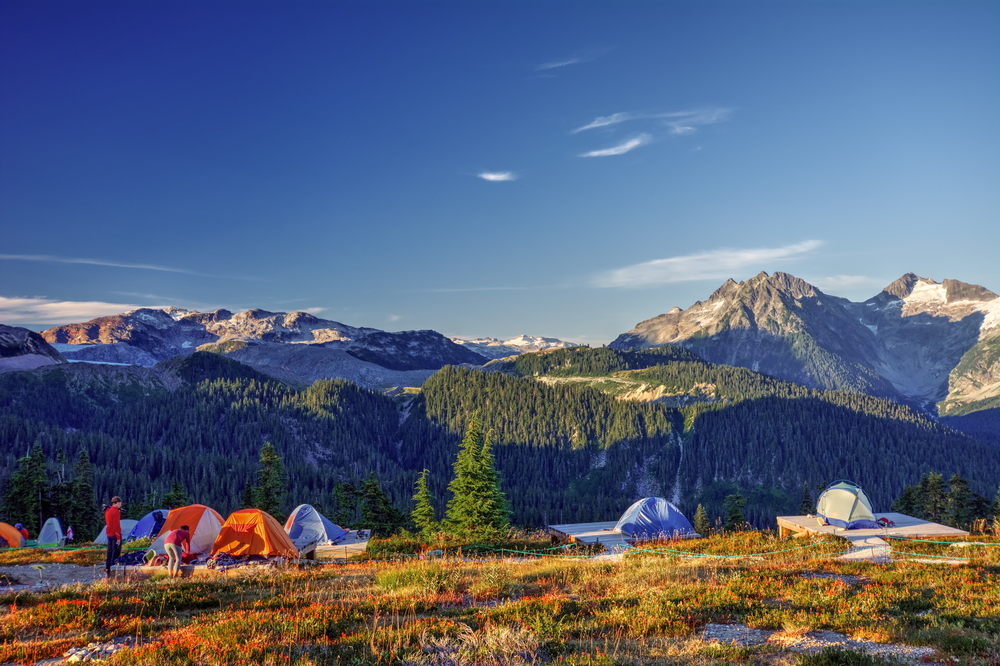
559,608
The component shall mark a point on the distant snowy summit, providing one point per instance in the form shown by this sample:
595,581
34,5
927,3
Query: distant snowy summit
493,348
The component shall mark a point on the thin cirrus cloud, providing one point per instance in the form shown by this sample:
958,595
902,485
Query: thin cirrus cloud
679,122
711,265
621,148
49,311
47,258
556,64
497,176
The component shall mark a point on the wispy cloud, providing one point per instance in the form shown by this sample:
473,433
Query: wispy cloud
395,318
679,122
555,64
46,258
49,311
621,148
497,176
711,265
315,311
606,121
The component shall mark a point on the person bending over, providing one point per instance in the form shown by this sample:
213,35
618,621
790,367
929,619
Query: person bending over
173,543
113,520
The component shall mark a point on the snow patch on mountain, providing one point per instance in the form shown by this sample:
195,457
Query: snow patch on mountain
493,348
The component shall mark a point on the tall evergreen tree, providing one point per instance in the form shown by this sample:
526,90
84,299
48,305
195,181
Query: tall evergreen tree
478,507
86,517
177,497
423,512
995,509
932,493
249,500
272,482
493,505
808,506
734,511
960,503
27,497
702,525
377,513
347,499
61,494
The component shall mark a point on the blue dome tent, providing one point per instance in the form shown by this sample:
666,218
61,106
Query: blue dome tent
149,525
653,518
306,525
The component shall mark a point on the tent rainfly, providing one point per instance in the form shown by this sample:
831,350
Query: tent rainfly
653,518
204,522
51,534
253,532
127,524
9,537
306,525
147,526
845,504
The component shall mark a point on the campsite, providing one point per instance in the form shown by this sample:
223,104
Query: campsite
645,589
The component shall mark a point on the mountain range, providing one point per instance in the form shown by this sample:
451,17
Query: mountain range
929,344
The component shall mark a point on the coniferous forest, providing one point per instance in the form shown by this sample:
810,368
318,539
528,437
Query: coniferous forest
564,452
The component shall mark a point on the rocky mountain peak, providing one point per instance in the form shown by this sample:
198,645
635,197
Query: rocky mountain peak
21,349
903,287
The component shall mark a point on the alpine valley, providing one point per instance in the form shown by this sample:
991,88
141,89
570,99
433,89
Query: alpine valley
768,386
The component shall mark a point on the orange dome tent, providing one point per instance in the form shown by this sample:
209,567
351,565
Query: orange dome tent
253,532
204,522
9,537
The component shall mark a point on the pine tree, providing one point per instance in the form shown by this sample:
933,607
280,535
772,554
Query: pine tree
478,507
933,496
734,512
995,509
808,506
347,498
61,494
702,525
960,503
377,513
27,497
177,497
272,483
86,517
249,500
423,512
493,506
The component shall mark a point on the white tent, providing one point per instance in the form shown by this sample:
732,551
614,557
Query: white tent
51,534
127,525
205,524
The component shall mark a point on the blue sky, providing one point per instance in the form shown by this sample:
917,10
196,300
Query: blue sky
488,169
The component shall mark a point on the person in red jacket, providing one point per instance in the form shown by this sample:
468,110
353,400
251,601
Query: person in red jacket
173,543
24,533
113,520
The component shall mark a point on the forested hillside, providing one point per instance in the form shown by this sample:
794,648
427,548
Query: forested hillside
565,452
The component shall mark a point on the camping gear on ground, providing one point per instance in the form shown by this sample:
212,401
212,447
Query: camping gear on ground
845,504
51,535
147,526
253,532
204,524
306,525
102,538
885,522
131,559
653,518
9,537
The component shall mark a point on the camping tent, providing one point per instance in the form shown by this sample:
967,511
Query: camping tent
653,518
204,522
306,525
51,534
9,537
127,524
253,532
845,504
147,526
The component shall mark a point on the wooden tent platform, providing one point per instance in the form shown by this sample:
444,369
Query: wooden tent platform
591,533
906,526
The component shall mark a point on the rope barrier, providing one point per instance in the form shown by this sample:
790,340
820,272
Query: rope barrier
951,543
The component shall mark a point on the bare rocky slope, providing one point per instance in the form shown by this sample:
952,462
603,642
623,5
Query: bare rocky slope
21,349
927,343
296,347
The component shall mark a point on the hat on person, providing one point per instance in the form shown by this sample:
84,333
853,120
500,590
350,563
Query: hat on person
18,526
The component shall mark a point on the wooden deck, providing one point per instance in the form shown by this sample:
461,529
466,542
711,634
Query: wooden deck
591,533
906,526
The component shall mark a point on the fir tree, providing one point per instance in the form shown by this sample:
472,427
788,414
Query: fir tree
932,494
377,513
995,509
27,497
478,508
808,506
86,517
177,497
423,512
347,499
61,494
493,506
734,512
960,503
249,500
272,483
702,525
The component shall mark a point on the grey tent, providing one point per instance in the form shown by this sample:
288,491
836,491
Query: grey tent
306,525
51,534
127,525
845,504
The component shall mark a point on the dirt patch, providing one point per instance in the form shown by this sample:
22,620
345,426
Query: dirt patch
40,577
